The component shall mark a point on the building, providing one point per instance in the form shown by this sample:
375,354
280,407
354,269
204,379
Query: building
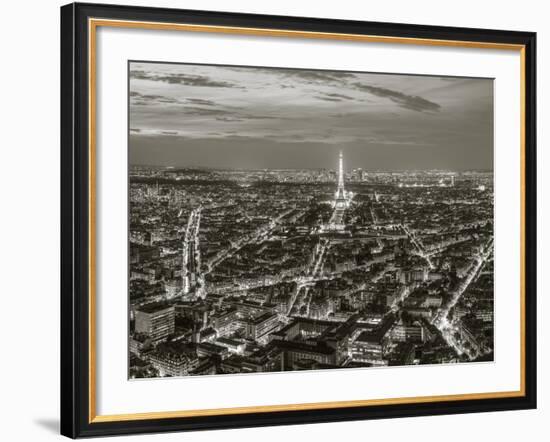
140,254
261,326
225,321
174,359
156,320
252,309
231,345
137,343
468,332
197,312
403,354
172,287
370,345
432,302
419,312
209,349
408,332
206,367
369,348
304,351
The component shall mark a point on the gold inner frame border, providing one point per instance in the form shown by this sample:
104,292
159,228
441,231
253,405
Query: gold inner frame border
93,24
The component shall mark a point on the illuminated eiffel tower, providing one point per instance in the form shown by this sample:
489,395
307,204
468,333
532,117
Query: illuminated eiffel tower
341,200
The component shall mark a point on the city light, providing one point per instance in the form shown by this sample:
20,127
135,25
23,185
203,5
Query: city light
261,270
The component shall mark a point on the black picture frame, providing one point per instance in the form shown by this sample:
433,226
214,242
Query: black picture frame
75,221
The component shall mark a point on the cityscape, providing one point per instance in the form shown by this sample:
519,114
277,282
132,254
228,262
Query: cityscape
272,269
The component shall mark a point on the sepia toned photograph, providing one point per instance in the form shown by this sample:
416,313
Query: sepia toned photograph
297,219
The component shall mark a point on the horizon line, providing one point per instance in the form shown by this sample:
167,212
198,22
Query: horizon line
191,167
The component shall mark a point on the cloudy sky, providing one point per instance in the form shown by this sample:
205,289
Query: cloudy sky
241,117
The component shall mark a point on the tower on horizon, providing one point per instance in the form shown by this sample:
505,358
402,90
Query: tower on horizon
341,174
340,197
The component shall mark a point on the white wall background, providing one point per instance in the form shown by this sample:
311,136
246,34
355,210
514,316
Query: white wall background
29,218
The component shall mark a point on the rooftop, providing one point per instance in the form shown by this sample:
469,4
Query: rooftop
154,307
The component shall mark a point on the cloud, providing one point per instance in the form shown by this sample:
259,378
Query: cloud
146,99
156,99
238,117
189,107
137,98
201,101
139,75
290,78
230,119
183,79
325,98
411,102
341,96
335,97
262,117
204,112
317,76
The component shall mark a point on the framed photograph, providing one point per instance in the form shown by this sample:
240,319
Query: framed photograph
279,220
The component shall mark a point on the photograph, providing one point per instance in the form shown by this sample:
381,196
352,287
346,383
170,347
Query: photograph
285,219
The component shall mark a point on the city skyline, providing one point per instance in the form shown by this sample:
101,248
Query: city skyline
271,118
346,171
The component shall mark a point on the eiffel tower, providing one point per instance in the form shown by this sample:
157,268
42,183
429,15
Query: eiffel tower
340,196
